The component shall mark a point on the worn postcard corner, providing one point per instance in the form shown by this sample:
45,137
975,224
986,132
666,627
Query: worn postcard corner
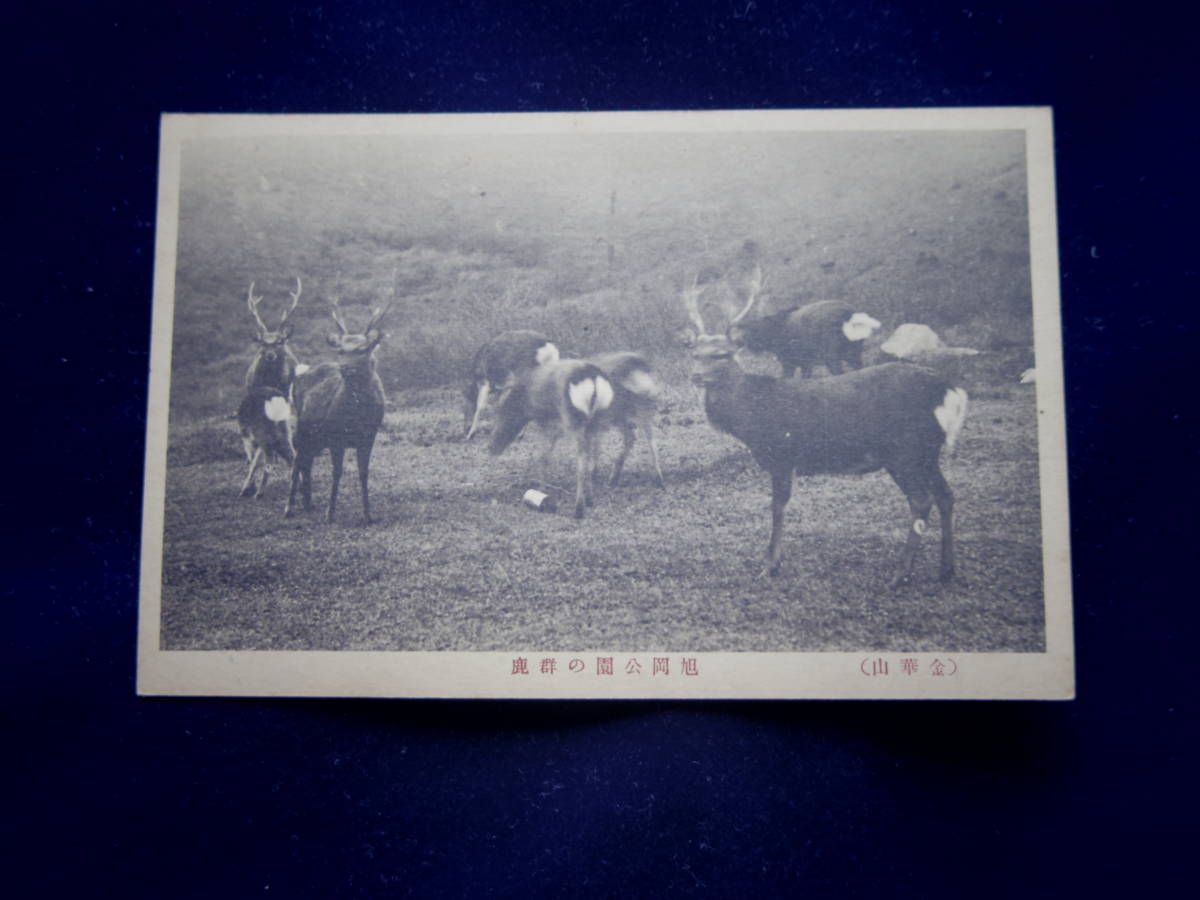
613,405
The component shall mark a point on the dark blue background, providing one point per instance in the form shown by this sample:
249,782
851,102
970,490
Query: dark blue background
111,794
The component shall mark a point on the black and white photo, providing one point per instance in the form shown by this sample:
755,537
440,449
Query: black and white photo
745,404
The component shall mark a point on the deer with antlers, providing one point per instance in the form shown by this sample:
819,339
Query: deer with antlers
800,337
895,417
263,413
274,364
337,406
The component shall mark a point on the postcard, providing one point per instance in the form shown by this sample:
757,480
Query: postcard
744,404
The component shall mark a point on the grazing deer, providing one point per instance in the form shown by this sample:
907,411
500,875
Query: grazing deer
895,416
582,398
563,396
263,413
826,332
635,402
496,365
338,405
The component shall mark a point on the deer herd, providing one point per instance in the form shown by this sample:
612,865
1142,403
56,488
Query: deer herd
895,416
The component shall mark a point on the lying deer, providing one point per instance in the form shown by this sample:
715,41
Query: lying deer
263,413
826,332
496,365
582,398
895,417
338,405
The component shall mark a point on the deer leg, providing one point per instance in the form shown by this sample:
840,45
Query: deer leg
593,456
248,484
805,370
920,503
364,463
944,498
552,436
648,428
297,470
581,465
306,477
336,456
789,371
481,399
266,473
628,436
781,492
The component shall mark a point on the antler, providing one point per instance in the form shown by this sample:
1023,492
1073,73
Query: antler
295,300
756,285
379,312
336,312
252,302
691,300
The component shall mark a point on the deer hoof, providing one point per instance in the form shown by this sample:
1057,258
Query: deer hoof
247,491
898,582
770,570
578,512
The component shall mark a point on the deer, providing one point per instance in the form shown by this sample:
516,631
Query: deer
582,398
634,404
800,337
336,406
496,365
274,365
263,413
896,417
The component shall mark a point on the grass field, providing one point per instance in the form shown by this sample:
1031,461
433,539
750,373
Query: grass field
456,562
589,242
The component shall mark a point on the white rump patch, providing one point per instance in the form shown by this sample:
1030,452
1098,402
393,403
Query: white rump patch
911,340
546,353
951,414
277,409
302,368
604,393
642,383
860,326
581,394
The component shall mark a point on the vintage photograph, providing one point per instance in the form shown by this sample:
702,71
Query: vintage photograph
745,404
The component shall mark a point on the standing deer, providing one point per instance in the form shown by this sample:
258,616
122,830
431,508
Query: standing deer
826,332
275,364
496,365
338,405
895,416
635,402
263,413
563,396
582,398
